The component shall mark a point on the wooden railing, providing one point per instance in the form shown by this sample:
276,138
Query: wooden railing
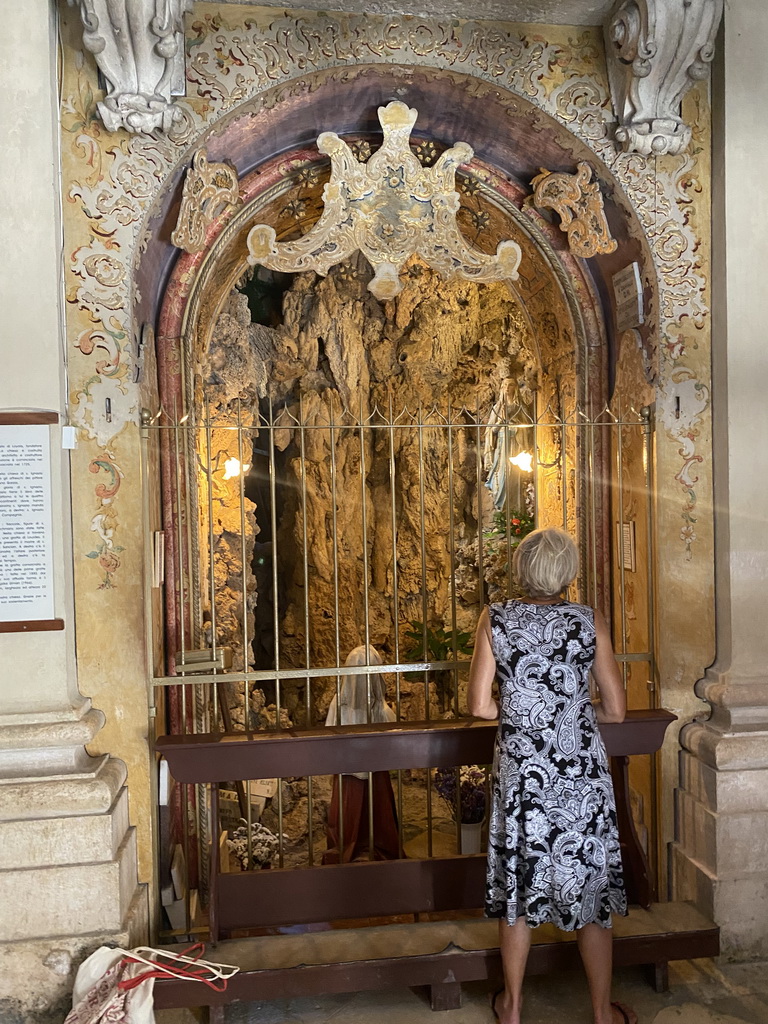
252,899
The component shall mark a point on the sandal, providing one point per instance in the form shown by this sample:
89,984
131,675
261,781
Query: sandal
493,1003
628,1016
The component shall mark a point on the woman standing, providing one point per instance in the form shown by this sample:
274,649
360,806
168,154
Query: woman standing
553,846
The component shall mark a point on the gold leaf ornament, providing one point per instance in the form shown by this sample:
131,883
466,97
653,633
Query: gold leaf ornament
579,203
208,190
389,208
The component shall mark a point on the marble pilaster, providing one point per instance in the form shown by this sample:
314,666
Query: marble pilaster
721,854
68,879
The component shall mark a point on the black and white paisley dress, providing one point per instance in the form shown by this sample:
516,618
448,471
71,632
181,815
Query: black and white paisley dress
553,847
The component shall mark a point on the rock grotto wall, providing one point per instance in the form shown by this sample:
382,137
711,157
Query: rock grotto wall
341,358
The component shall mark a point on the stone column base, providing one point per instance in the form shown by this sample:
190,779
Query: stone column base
720,858
68,874
37,975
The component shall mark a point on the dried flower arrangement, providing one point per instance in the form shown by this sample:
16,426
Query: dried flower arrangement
472,795
264,845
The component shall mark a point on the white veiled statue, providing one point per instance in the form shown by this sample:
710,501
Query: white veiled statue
361,701
354,693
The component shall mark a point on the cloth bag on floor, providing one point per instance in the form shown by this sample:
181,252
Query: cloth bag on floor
97,997
116,986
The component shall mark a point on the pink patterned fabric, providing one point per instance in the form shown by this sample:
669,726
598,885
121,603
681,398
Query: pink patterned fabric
98,998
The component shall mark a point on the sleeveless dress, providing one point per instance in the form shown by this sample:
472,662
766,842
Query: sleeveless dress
553,846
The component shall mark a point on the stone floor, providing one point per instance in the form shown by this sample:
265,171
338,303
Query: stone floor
701,992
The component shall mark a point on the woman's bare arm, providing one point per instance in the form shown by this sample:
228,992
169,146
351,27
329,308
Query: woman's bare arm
612,706
482,672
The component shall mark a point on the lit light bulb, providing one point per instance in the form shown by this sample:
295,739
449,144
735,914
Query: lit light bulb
523,461
232,468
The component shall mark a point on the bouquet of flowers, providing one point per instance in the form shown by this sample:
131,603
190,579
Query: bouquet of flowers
521,522
264,845
470,780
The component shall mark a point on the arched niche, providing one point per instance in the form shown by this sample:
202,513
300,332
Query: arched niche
567,301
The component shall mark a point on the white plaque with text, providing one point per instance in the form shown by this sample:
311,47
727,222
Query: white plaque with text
628,292
26,550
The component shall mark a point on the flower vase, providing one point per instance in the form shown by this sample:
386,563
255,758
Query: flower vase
471,837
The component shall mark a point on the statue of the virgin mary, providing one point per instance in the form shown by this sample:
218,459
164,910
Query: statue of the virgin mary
362,701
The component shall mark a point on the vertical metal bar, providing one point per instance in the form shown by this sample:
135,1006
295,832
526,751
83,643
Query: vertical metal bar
423,551
275,576
189,487
203,826
564,467
395,575
334,521
243,556
507,496
149,633
332,438
307,655
452,552
364,518
369,695
479,468
424,608
622,573
395,609
592,517
647,431
246,694
276,617
211,538
179,540
182,636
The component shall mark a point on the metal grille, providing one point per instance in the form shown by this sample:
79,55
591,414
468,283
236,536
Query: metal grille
418,512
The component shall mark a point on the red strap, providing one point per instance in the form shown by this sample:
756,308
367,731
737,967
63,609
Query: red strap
177,970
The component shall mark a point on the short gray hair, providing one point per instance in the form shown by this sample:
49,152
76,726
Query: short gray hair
545,562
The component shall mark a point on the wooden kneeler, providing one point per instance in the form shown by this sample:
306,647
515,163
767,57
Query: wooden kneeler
440,955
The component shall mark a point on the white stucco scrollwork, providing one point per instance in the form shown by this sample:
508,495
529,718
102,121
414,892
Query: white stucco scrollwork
139,48
655,50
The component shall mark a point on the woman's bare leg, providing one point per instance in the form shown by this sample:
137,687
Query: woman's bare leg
596,948
515,941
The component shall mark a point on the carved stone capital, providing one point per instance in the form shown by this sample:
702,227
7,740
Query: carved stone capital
139,48
655,50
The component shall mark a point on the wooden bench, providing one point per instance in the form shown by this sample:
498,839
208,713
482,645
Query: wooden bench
440,954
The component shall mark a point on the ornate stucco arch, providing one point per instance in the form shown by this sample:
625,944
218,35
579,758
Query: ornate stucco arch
260,86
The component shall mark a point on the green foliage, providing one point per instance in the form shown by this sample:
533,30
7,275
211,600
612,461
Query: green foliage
439,642
520,523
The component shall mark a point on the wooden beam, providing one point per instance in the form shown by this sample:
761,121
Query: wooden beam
223,757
